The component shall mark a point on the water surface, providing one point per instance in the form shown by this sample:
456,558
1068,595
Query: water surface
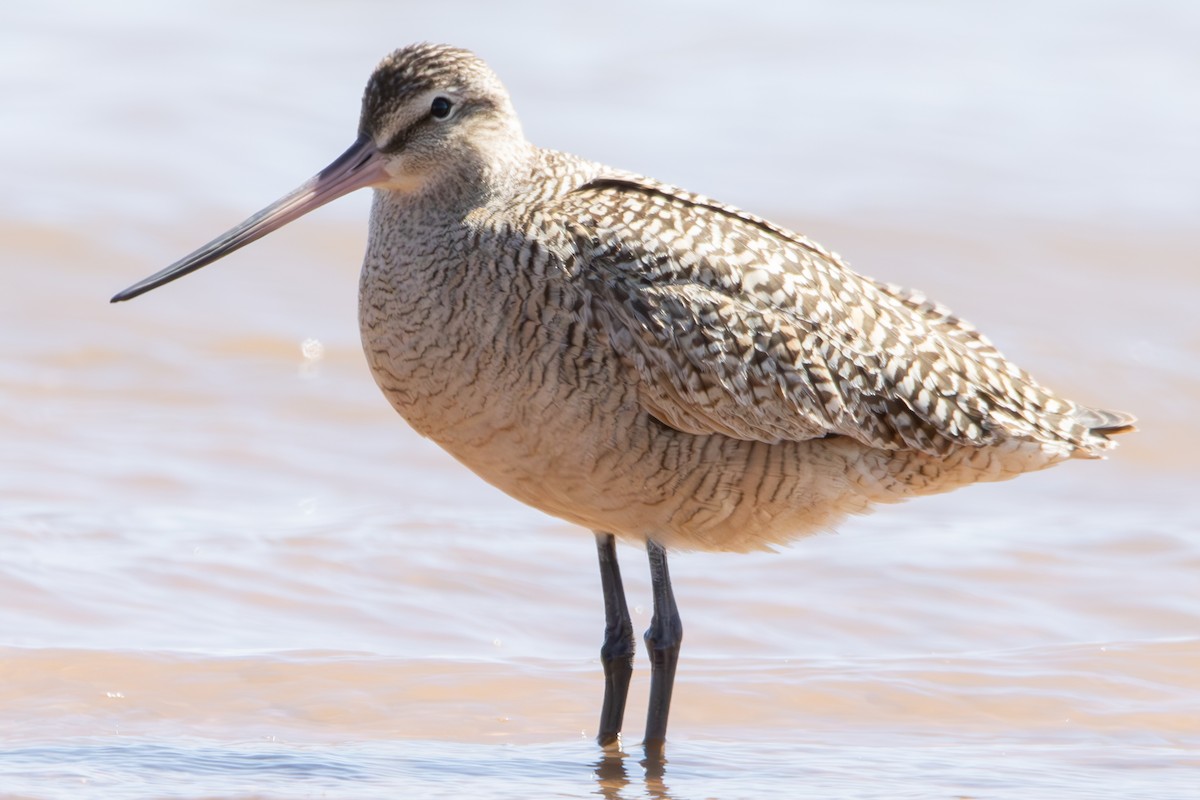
230,571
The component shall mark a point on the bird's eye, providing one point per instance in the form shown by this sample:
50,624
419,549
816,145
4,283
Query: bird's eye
441,107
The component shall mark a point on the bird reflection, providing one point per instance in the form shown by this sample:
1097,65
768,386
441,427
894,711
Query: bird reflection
612,775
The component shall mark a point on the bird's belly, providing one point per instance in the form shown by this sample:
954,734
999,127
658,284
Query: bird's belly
568,450
607,465
585,451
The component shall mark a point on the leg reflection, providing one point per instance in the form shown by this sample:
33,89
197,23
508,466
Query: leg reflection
612,776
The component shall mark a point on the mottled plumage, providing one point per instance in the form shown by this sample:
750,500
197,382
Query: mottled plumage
644,361
634,318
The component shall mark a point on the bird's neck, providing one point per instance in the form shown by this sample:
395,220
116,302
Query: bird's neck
493,169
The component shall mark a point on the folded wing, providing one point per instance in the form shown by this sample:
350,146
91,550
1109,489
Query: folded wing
735,326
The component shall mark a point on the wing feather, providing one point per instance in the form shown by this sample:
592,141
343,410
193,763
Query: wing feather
736,326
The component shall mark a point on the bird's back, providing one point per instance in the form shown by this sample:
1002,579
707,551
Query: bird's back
740,327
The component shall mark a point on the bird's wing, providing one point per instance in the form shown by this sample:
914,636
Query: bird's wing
736,326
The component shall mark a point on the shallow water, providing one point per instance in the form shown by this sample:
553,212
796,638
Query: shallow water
230,571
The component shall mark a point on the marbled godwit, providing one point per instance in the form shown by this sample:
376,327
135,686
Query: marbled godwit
643,361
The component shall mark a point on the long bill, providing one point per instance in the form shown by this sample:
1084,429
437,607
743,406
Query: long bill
360,166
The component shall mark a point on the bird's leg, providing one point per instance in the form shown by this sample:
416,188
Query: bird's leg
616,654
662,642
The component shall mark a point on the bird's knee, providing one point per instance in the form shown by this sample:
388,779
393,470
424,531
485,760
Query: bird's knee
618,647
664,635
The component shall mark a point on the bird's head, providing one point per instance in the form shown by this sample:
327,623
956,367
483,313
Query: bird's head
438,114
435,121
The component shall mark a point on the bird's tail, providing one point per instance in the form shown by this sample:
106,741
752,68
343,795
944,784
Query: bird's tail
1103,424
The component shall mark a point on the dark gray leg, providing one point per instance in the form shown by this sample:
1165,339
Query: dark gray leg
662,641
616,654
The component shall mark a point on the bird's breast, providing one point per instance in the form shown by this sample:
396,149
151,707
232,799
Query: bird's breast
491,356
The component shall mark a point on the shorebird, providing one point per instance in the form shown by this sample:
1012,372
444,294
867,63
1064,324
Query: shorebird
646,362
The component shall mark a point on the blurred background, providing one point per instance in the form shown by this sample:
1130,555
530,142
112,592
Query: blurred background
228,567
